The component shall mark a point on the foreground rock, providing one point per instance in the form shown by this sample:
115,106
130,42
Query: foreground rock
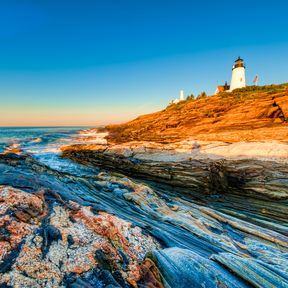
44,243
258,169
60,228
183,268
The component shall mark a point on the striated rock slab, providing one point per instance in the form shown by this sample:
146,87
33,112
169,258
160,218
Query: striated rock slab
256,169
255,272
182,268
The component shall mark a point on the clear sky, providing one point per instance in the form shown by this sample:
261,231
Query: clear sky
93,62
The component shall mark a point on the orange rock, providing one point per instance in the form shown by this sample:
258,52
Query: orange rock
248,114
149,275
105,225
22,216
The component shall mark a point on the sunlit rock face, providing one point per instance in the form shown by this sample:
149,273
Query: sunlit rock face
247,114
21,214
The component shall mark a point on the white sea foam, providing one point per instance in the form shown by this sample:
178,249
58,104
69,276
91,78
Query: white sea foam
93,137
36,140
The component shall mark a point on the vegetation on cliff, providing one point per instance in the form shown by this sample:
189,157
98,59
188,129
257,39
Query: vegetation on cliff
253,113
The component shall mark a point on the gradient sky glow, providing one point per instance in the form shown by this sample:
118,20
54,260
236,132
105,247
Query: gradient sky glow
93,62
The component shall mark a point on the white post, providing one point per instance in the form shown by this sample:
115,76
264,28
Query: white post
181,95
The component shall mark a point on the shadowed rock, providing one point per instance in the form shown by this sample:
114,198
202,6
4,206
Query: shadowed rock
182,268
254,272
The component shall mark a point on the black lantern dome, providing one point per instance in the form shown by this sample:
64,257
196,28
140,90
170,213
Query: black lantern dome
238,63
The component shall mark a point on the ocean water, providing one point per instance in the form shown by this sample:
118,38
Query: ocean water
31,135
44,144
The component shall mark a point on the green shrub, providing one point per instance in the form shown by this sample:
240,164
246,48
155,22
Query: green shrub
201,95
190,97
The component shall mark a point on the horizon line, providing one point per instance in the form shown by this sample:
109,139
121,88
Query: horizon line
54,126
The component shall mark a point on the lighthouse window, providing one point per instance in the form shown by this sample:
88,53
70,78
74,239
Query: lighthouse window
241,79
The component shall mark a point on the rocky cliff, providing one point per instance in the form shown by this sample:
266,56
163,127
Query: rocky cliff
247,114
227,143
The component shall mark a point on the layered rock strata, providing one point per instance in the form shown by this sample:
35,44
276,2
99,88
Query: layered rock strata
258,169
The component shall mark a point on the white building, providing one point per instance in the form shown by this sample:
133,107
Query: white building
181,98
238,78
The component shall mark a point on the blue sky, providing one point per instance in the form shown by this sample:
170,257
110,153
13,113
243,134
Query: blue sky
94,62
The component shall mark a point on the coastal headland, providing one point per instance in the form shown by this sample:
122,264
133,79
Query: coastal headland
253,113
228,152
227,143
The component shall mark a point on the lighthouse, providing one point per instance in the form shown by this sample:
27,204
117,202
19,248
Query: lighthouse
238,75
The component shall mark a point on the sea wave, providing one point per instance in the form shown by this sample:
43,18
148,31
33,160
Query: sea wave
36,140
93,136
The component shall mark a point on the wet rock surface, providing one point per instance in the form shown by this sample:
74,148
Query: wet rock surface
59,229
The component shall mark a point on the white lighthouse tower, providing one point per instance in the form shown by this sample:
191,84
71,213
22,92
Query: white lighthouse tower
238,75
